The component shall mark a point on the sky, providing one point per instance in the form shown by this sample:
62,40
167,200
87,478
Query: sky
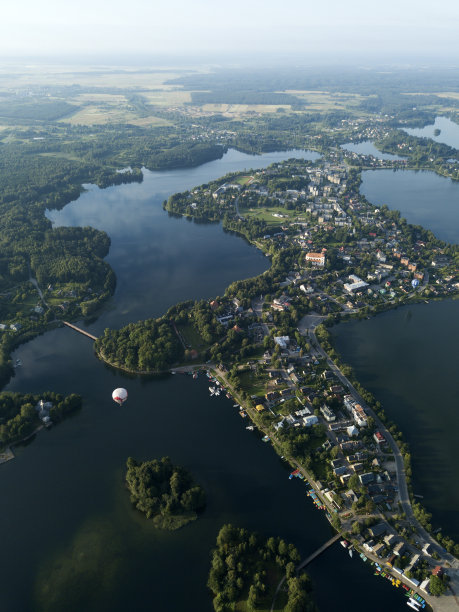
365,29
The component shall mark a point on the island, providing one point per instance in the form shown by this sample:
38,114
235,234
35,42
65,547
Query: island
164,492
247,569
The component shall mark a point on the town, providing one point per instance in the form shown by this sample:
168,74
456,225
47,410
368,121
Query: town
334,256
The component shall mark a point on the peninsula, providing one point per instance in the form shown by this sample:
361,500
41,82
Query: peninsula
334,256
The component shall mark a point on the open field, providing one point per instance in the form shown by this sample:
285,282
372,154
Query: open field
325,101
267,214
101,114
167,97
29,77
233,110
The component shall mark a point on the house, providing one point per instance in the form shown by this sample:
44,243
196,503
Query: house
399,548
390,539
377,530
424,586
352,431
259,407
327,413
308,421
355,285
316,259
379,438
438,571
366,478
282,341
427,550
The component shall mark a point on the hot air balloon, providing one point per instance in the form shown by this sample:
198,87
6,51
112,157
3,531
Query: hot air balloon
120,396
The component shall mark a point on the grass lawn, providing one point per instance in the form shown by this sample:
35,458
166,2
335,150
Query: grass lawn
267,214
243,180
191,337
253,384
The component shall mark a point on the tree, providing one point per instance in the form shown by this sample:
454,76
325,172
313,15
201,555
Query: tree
437,587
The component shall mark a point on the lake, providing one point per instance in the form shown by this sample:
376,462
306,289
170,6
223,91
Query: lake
70,538
449,131
423,198
366,147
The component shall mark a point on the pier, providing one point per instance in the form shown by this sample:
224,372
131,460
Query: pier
81,331
306,562
318,552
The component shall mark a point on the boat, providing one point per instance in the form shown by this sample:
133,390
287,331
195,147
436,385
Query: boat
228,396
242,414
350,551
195,375
236,406
266,439
344,543
250,427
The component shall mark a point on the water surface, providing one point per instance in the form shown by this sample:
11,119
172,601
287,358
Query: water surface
423,198
70,536
367,147
449,131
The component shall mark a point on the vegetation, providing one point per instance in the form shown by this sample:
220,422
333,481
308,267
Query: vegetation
165,493
19,416
246,569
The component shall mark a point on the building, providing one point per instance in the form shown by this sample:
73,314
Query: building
308,421
316,259
282,341
327,413
366,478
355,285
379,438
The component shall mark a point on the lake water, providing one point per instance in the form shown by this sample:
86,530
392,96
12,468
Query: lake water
449,131
367,147
70,539
423,198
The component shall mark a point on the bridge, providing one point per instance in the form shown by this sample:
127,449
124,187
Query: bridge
318,552
306,562
81,331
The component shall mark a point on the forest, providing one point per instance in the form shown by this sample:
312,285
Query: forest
164,492
146,346
246,567
19,417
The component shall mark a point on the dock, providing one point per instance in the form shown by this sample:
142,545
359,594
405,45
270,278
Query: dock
306,562
318,552
78,329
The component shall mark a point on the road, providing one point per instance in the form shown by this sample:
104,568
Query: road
399,463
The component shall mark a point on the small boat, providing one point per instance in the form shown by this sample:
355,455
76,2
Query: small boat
195,375
250,427
236,406
228,396
266,439
344,543
350,551
242,414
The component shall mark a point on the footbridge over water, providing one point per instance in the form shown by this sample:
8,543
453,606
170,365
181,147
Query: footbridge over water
81,331
306,562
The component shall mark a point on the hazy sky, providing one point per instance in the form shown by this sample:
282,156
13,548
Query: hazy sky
365,28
